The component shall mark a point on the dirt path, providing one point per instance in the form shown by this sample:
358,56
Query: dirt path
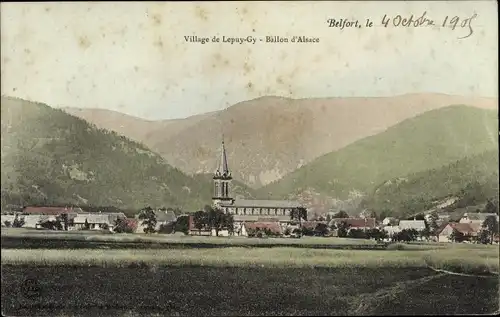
369,302
495,274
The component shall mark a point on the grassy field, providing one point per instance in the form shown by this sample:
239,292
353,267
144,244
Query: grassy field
250,281
32,239
168,238
459,258
238,291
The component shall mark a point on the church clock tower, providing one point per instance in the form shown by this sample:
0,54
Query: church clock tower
222,181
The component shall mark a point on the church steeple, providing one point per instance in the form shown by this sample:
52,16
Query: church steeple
223,168
222,179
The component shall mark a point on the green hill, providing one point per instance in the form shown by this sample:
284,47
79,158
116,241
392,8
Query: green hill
52,158
471,180
427,141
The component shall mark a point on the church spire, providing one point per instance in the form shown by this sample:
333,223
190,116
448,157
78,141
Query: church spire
223,166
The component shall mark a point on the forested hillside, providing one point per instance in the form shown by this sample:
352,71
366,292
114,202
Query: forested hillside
428,141
471,181
52,158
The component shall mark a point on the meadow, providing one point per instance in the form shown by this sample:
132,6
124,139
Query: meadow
403,279
31,238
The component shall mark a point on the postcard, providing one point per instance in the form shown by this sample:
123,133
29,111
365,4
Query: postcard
249,158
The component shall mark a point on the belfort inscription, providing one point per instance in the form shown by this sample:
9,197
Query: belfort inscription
453,23
462,26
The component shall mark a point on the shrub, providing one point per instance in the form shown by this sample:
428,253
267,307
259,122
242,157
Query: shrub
166,228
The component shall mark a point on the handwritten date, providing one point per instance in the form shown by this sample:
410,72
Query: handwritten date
423,20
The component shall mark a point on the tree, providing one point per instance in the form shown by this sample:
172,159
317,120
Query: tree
182,225
167,228
328,218
307,231
65,221
58,223
341,214
215,218
342,229
297,232
457,236
298,214
148,217
491,207
321,230
18,222
200,220
86,226
490,224
356,234
484,237
406,235
426,233
7,223
121,225
376,234
228,223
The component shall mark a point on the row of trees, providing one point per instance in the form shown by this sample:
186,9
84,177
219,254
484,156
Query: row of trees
213,219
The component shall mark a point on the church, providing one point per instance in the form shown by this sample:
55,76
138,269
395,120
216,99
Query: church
247,210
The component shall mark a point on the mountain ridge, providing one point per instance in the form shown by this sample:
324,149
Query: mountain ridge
269,137
430,140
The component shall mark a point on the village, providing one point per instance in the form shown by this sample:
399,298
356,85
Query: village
228,216
471,227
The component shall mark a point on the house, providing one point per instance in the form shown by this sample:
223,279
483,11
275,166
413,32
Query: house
390,221
418,225
391,230
251,228
476,218
244,210
469,230
30,221
96,221
355,223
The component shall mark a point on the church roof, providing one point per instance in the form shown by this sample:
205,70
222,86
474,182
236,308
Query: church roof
259,218
263,203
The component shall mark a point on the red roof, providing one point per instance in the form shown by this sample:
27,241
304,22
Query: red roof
273,226
466,228
357,222
49,210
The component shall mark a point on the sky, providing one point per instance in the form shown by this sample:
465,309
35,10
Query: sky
133,57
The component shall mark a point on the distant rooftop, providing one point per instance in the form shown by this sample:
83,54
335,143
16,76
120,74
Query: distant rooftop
263,204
